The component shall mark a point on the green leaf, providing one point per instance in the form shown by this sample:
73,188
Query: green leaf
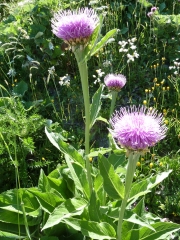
130,217
112,183
49,238
48,201
145,3
12,231
59,187
11,207
98,187
118,159
36,28
43,183
4,101
99,151
162,6
124,30
103,41
71,207
102,119
98,182
20,89
94,230
93,208
93,39
135,219
140,208
143,187
95,107
162,231
56,140
7,235
79,176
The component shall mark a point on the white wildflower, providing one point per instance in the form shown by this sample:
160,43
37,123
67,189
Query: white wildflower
11,72
98,78
51,70
130,58
130,49
100,73
125,50
122,43
107,63
135,54
133,47
110,40
172,67
65,81
133,39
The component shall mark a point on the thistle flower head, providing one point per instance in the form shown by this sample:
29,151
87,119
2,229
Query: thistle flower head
137,128
150,14
74,27
153,9
115,82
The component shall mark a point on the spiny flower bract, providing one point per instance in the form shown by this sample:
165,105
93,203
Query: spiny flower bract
137,128
74,27
115,82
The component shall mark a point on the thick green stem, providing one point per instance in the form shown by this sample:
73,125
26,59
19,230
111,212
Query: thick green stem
132,161
113,102
83,69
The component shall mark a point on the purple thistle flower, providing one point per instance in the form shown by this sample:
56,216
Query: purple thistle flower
153,9
75,27
115,82
137,128
150,14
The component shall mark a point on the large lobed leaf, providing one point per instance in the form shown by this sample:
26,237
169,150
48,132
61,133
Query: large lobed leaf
162,231
112,183
71,207
56,140
95,106
11,207
103,41
143,187
94,230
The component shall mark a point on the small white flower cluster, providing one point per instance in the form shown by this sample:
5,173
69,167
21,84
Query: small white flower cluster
51,70
11,72
107,63
65,81
98,78
176,67
129,48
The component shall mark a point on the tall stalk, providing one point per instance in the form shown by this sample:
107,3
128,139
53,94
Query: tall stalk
113,102
83,69
132,161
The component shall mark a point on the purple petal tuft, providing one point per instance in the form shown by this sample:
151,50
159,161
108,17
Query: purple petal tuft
115,81
137,128
74,26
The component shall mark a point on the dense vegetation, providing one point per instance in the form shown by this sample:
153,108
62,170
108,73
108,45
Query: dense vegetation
40,86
